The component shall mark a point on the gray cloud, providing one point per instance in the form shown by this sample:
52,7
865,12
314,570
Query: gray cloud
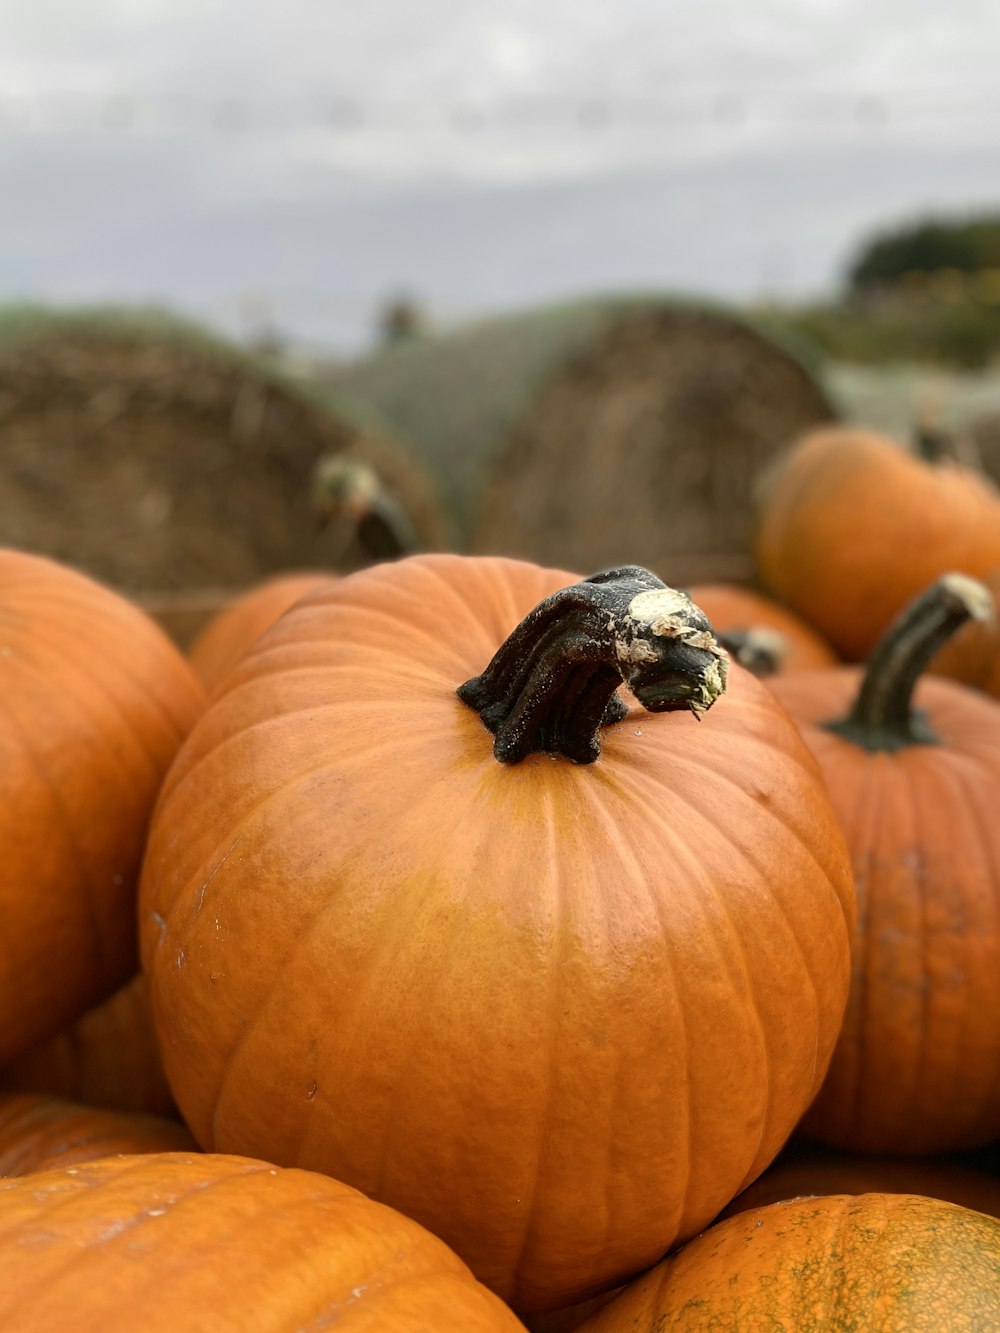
481,154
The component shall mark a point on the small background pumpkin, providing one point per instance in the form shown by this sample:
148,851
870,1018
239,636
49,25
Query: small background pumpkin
853,526
38,1133
913,775
108,1058
223,641
732,608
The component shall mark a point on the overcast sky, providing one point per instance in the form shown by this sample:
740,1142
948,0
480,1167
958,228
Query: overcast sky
245,162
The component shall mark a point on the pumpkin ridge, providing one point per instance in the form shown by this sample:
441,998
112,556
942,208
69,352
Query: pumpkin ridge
273,793
178,730
992,1089
868,981
96,699
57,803
112,704
330,904
720,775
127,1165
551,1009
748,989
182,894
741,850
485,577
870,804
757,875
178,775
261,1002
641,798
405,672
103,1243
362,610
83,1257
616,837
912,784
836,1242
599,816
400,932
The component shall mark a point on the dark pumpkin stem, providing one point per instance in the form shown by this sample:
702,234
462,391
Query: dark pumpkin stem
883,716
932,444
552,683
761,651
349,493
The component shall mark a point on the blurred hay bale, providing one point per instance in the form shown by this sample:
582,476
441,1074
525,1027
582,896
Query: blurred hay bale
156,457
589,434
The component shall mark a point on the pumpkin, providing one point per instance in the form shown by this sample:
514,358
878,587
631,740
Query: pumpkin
807,1169
559,1012
852,527
222,642
762,635
972,654
884,1263
170,1241
914,775
38,1132
107,1058
95,702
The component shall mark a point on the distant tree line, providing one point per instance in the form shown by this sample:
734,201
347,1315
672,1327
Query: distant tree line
971,245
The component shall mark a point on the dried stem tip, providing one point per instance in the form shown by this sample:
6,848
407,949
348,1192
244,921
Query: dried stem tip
883,716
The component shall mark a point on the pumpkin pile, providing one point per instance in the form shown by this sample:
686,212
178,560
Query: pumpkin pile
497,930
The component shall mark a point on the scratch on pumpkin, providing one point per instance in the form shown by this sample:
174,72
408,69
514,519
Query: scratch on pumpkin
200,895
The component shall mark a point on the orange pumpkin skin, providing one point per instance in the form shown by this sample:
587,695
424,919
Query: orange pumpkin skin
95,702
730,607
884,1263
806,1169
853,526
107,1058
227,636
544,1009
917,1067
973,655
169,1241
39,1133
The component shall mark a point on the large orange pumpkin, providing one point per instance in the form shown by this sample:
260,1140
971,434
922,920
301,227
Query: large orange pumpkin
914,777
166,1242
37,1133
108,1057
95,700
223,641
853,526
881,1263
745,618
558,1012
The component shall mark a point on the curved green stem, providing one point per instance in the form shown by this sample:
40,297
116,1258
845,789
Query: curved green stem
883,716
